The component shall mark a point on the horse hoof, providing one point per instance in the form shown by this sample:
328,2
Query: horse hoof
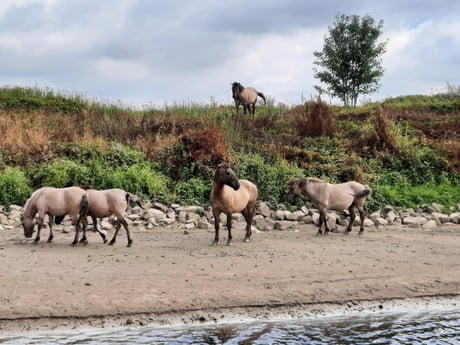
74,243
111,243
229,244
361,232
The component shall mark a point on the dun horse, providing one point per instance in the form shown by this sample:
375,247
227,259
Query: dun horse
105,203
325,196
247,96
230,195
55,202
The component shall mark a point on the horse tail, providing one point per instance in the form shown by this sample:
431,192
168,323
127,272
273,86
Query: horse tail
262,96
133,198
84,208
365,192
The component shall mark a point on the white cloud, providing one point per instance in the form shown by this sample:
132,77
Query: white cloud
144,51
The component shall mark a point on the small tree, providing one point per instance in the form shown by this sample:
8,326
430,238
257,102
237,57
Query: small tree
351,58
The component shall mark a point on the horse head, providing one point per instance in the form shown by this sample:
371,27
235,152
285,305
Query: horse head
225,175
236,89
295,188
28,224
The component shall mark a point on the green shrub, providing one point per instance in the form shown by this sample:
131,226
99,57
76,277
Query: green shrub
270,178
62,173
194,191
14,187
141,179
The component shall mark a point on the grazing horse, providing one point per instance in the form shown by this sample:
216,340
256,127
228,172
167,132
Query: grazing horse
337,197
55,202
230,195
246,96
105,203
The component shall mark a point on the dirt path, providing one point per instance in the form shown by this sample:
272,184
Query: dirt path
169,273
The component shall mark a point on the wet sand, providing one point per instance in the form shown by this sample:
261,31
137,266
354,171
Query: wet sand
172,276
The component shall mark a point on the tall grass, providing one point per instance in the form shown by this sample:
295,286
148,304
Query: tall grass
168,153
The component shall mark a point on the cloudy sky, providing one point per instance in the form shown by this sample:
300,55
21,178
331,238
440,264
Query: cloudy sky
155,52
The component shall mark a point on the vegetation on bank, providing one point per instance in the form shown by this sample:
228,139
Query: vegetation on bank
407,149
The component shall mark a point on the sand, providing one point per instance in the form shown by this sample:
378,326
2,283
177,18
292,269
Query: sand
172,276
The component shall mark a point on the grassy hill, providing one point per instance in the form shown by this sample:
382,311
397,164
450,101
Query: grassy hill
406,148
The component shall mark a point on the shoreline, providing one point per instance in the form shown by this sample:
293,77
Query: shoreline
223,316
171,277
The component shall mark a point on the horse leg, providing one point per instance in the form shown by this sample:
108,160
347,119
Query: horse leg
84,222
322,219
229,228
97,230
50,223
39,227
125,225
248,216
351,210
362,214
216,228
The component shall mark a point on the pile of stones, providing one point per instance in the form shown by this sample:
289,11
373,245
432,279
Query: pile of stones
153,215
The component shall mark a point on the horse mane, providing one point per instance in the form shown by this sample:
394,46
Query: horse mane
314,179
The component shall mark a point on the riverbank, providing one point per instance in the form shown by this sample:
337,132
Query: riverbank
174,276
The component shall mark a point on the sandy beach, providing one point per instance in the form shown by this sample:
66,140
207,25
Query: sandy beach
174,276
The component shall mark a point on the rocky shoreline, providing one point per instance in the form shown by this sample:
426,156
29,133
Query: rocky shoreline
153,215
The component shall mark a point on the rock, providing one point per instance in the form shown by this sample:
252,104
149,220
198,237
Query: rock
265,224
284,225
414,222
455,218
443,218
264,210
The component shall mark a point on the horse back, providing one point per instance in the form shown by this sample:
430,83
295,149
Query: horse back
249,95
104,203
59,201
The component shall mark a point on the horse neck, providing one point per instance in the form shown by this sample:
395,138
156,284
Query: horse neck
217,188
29,208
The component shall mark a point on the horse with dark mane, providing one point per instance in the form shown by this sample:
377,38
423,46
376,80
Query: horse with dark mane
247,96
337,197
56,203
230,195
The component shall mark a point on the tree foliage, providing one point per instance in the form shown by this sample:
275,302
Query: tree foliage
350,59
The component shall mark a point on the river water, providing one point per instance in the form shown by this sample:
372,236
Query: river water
433,327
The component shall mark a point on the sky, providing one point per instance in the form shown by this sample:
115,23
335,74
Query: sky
145,53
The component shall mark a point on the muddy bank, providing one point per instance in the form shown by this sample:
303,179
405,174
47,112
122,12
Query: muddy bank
172,276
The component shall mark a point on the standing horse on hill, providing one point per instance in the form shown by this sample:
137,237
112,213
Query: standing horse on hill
247,96
55,202
337,197
230,195
105,203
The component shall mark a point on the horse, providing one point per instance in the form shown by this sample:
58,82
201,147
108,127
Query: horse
108,202
246,96
230,195
337,197
55,202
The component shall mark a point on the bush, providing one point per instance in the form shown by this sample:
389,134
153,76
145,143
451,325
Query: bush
269,177
62,173
142,180
194,191
14,187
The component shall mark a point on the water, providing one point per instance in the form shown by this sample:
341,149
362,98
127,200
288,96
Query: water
434,327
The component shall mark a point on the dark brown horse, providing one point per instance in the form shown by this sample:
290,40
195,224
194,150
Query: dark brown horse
337,197
230,195
247,96
55,202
